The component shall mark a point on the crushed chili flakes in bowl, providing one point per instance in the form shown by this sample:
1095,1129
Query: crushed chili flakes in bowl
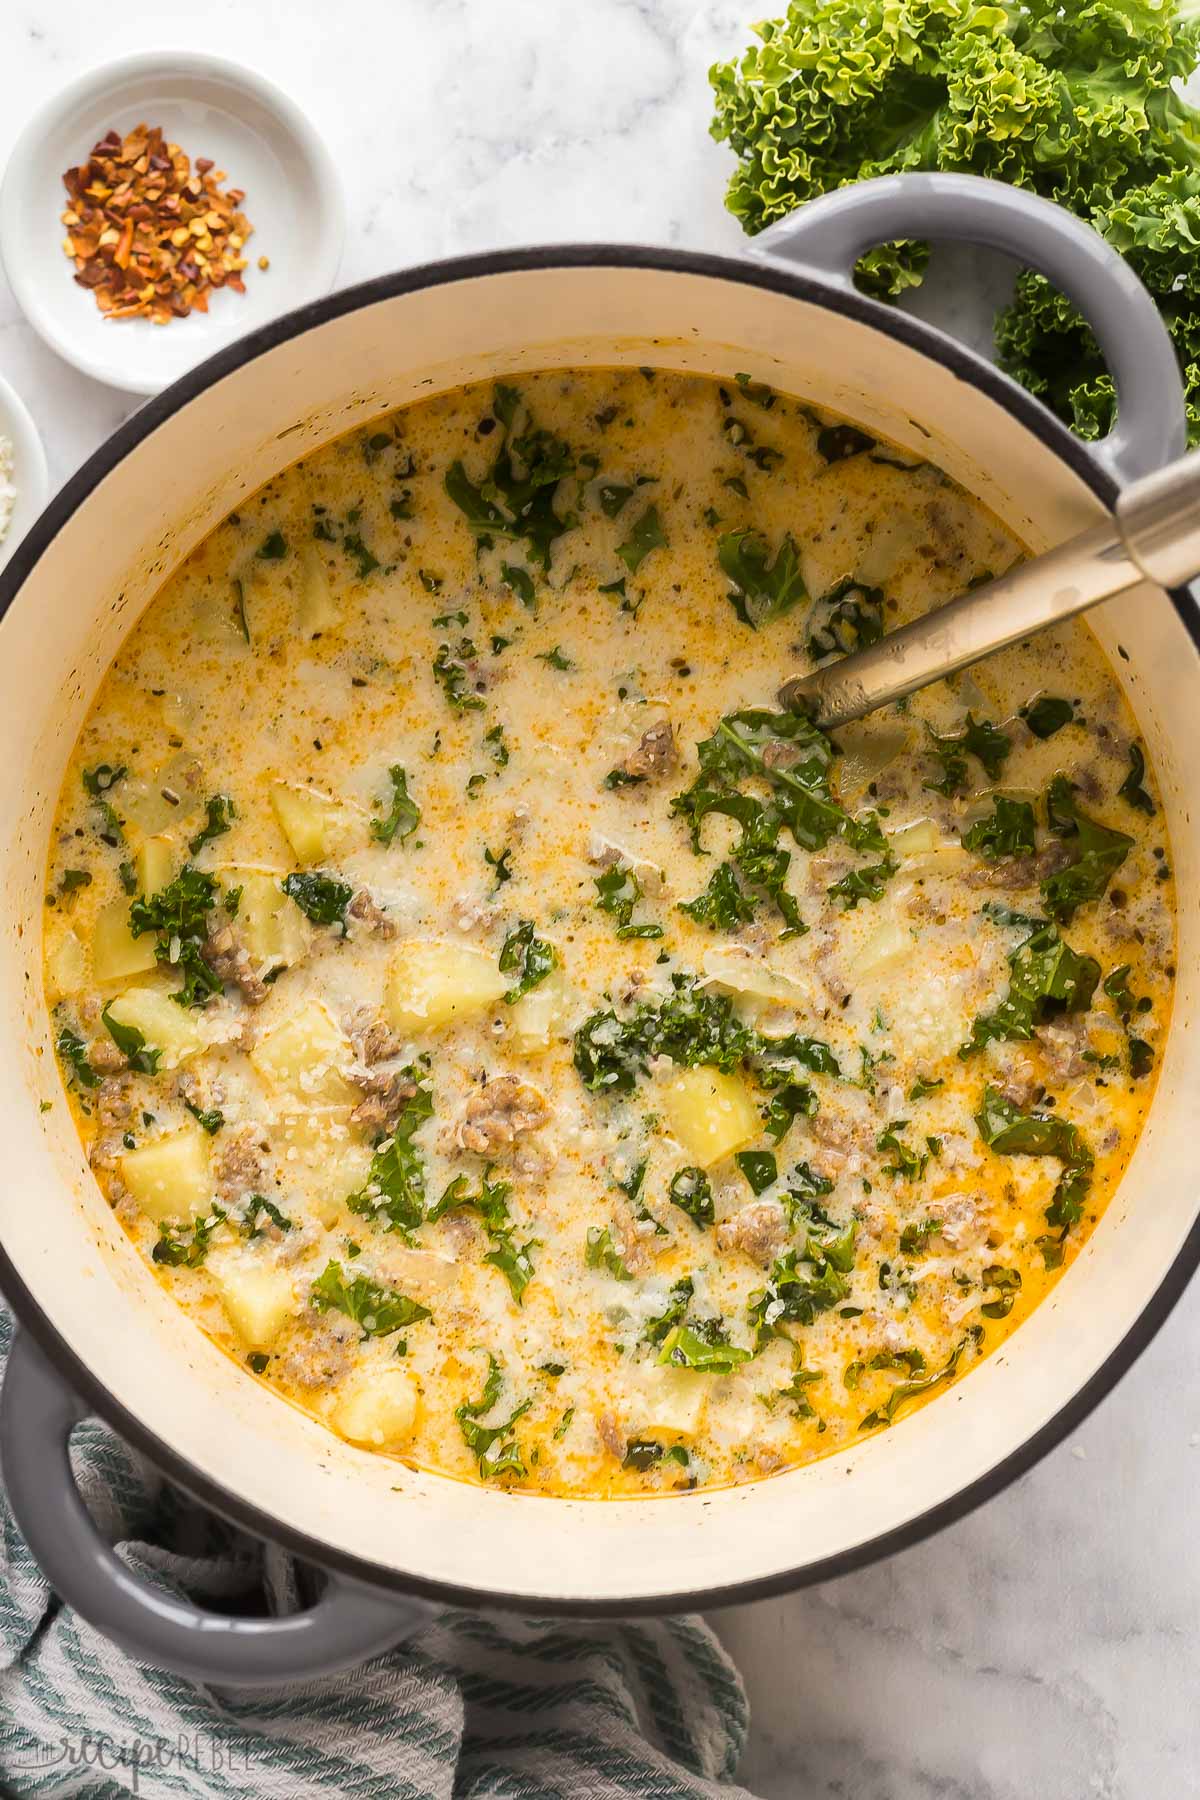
150,236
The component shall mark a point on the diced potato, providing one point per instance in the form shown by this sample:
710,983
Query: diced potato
377,1409
305,820
170,1179
66,964
116,953
886,946
915,839
316,610
321,1142
271,926
674,1400
154,864
867,748
710,1113
537,1017
164,1024
144,802
303,1056
431,983
258,1298
744,972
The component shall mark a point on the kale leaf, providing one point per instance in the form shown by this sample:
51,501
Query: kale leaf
404,814
321,897
1046,978
527,957
515,498
647,535
220,814
178,917
1007,1130
1010,831
1098,849
978,738
1132,789
618,891
691,1192
377,1309
847,618
393,1196
766,587
493,1446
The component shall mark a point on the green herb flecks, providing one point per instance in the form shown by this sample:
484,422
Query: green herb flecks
209,1119
1129,1009
691,1192
72,1053
601,1252
644,1454
186,1247
1006,1284
556,660
450,669
699,1345
910,1390
907,1164
97,784
724,903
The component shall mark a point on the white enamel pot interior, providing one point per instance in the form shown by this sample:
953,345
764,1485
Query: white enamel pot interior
77,587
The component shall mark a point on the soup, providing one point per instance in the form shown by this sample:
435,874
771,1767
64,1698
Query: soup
524,1047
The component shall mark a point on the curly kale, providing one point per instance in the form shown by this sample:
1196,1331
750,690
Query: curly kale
1078,104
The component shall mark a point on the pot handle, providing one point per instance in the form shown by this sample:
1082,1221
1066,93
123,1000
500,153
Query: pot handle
347,1624
826,237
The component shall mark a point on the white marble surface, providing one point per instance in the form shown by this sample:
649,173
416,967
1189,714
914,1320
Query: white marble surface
1048,1645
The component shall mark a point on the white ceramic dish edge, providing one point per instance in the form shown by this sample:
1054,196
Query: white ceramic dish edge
294,201
30,475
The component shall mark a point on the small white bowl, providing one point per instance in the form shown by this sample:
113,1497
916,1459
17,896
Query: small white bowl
210,108
29,473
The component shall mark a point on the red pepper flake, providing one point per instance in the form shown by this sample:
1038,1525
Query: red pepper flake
149,237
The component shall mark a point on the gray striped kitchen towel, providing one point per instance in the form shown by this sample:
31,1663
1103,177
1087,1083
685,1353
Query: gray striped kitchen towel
470,1707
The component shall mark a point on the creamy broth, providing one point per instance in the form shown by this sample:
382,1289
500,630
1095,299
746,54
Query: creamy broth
522,1050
